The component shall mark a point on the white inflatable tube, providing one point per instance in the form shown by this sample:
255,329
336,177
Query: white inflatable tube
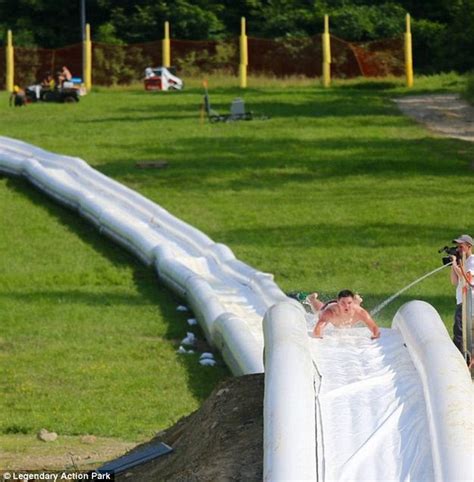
289,403
447,388
187,260
246,357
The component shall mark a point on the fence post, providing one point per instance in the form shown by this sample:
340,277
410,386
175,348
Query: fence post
408,54
10,70
243,55
87,65
467,315
166,50
326,53
469,324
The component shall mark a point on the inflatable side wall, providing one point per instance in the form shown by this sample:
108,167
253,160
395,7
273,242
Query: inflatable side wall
181,254
447,388
289,401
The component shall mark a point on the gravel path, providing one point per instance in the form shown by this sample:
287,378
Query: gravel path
446,114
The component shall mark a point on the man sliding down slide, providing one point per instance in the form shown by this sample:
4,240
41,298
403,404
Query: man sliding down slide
345,311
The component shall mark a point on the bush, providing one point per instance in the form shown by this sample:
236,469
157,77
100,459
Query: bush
114,64
216,57
468,93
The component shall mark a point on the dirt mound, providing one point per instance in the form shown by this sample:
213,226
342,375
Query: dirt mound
223,440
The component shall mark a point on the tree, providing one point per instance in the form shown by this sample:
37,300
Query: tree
368,22
143,21
442,30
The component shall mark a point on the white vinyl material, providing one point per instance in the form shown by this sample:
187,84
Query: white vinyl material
370,407
394,409
447,389
229,297
344,407
289,415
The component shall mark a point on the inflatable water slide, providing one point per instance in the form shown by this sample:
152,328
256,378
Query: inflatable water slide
340,408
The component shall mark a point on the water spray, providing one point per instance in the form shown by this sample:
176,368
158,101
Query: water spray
382,305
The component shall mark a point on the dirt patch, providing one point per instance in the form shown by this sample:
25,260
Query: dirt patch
223,440
26,452
446,114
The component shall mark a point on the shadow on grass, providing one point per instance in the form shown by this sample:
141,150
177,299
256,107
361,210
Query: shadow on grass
376,85
369,99
369,235
244,163
288,103
147,284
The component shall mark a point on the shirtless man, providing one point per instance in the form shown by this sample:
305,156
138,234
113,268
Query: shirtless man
346,311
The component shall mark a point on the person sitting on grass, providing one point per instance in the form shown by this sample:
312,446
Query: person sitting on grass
17,97
345,311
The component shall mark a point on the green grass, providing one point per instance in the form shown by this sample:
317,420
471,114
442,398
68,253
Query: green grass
89,337
336,190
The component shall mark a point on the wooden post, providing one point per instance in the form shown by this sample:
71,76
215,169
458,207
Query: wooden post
464,306
243,55
166,50
87,76
408,54
326,53
10,70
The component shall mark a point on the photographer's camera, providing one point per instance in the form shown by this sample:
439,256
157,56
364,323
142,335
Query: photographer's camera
450,251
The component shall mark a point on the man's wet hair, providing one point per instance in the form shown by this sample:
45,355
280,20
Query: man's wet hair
345,294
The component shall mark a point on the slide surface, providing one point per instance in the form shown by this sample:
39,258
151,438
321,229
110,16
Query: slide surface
371,415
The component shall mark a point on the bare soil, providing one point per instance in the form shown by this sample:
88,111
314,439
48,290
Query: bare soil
445,114
25,452
222,441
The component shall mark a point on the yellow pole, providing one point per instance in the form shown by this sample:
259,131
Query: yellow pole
10,71
166,50
88,59
408,54
244,59
326,53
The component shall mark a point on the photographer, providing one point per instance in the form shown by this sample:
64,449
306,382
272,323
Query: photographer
460,274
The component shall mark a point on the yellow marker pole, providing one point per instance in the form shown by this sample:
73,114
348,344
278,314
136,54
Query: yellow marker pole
408,54
244,55
326,53
10,70
166,50
88,59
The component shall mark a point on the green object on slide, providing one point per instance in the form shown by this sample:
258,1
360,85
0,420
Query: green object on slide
299,295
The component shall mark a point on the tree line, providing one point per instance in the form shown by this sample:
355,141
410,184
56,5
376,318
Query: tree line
443,30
